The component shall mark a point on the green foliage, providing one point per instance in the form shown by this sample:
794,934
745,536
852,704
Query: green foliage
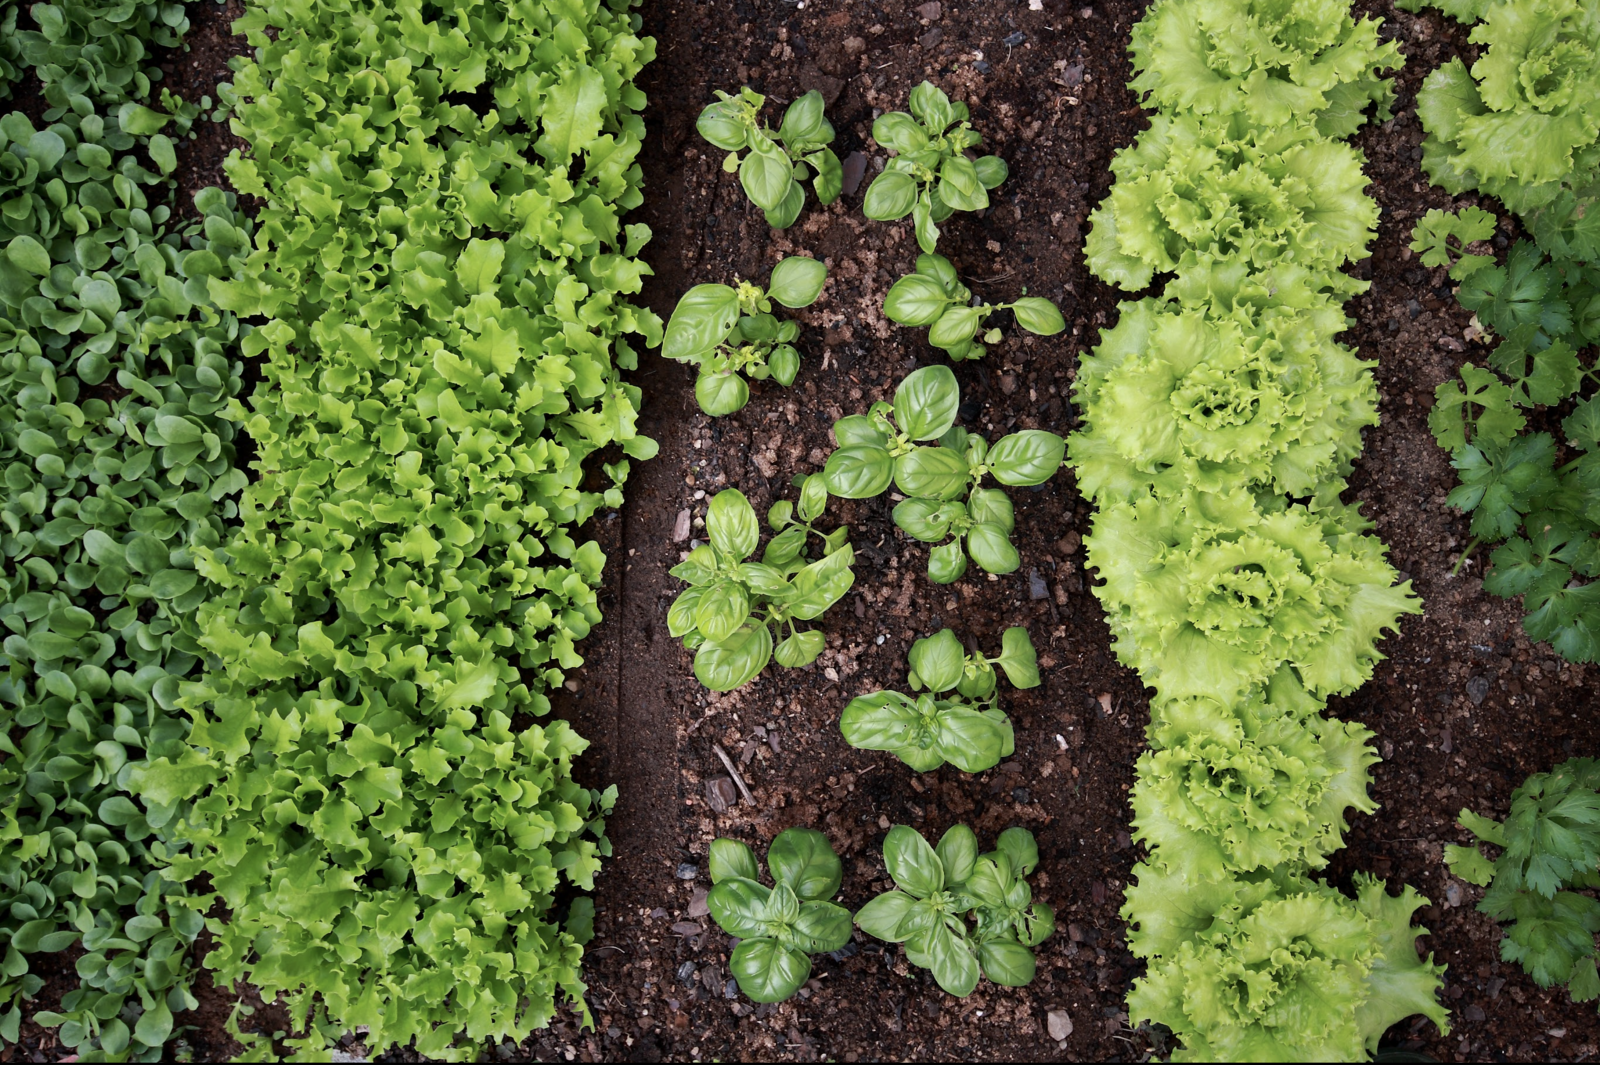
445,283
958,719
1550,844
941,483
930,177
726,331
1275,62
1521,124
935,297
773,169
95,49
734,613
780,927
939,890
1433,235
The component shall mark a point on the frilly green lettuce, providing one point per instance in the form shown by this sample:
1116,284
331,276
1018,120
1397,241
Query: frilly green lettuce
1274,60
1175,397
1209,593
1192,192
1524,122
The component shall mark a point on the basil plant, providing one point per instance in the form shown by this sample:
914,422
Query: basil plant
935,297
772,170
729,331
956,719
942,484
959,913
780,927
931,177
732,608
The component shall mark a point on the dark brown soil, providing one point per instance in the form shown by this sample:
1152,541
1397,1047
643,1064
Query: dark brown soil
1054,105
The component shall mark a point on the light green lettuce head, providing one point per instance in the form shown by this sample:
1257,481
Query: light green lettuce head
1193,192
1175,397
1525,122
1273,60
1209,594
1275,968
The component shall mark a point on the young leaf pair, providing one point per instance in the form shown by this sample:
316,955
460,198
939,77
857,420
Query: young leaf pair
780,927
776,163
935,297
939,889
729,330
875,451
729,613
931,177
942,725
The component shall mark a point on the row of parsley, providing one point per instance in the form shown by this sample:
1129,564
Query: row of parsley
1221,419
300,692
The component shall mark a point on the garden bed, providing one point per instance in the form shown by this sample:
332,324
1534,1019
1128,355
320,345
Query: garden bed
1464,708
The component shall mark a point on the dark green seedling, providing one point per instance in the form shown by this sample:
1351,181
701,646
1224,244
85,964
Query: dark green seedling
959,913
881,447
732,608
931,177
935,297
780,927
956,719
776,164
730,331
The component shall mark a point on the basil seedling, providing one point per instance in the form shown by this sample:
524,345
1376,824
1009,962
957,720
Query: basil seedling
931,177
729,613
941,725
727,331
772,171
935,297
880,447
781,926
939,890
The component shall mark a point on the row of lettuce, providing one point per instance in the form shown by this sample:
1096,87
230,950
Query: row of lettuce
1220,420
311,693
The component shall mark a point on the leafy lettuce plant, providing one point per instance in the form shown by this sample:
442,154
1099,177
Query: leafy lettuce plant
940,890
930,176
1276,967
1549,853
101,51
774,168
734,613
1521,123
1274,62
935,297
780,927
728,331
1174,397
957,720
880,447
1194,197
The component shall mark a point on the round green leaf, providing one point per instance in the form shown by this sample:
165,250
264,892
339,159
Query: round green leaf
859,429
102,298
927,520
721,393
784,215
932,473
731,524
951,959
891,196
722,608
813,498
804,859
858,471
797,281
765,173
822,927
171,583
702,319
993,506
913,864
722,123
992,170
1007,962
819,585
899,131
1038,315
147,554
764,579
738,904
992,549
731,858
883,917
915,300
923,221
946,563
766,971
140,120
929,103
1018,844
882,721
1018,658
804,123
956,325
1029,457
937,660
969,740
784,362
798,649
925,403
958,851
681,615
959,185
29,255
735,661
829,182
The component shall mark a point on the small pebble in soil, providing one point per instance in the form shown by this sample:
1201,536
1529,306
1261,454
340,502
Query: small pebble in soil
730,989
1037,588
1020,796
1452,894
687,972
849,950
1477,689
720,794
1059,1024
688,871
931,38
687,928
1015,39
698,906
981,66
854,169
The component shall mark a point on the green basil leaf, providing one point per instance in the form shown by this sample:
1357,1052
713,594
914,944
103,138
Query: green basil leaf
723,124
1018,658
804,859
978,684
1019,845
681,615
891,196
765,173
969,740
858,471
813,498
899,131
794,201
915,300
883,917
731,858
731,524
822,927
1029,457
1037,924
991,548
951,959
785,547
764,578
804,123
911,862
946,563
780,514
959,185
738,904
927,520
721,393
925,224
992,506
798,649
992,170
29,255
929,103
925,403
932,473
1007,962
937,660
882,721
723,608
829,182
766,971
956,325
943,271
797,281
699,568
702,319
734,662
1038,316
859,429
820,585
958,851
784,362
